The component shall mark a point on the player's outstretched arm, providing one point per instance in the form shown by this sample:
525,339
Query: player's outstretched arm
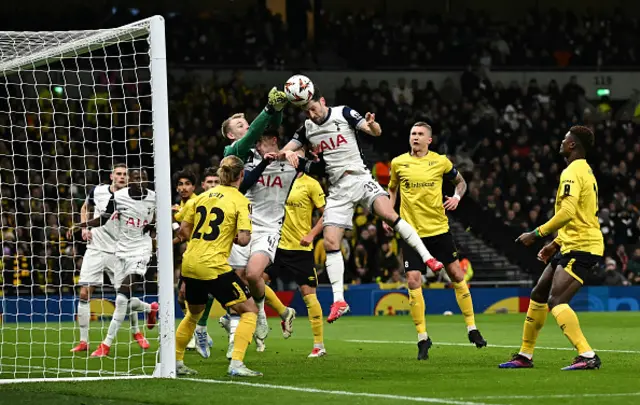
92,223
251,176
370,126
561,218
183,232
272,113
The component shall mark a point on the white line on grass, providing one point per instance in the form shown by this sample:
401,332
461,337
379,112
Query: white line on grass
343,393
621,394
436,343
75,379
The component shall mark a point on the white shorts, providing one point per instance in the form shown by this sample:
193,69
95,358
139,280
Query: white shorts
345,194
266,243
95,264
130,266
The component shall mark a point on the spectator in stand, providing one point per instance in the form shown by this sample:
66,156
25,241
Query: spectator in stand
612,276
633,267
382,170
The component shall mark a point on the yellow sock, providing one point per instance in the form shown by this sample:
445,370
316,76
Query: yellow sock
185,332
463,296
536,317
246,328
568,322
315,317
416,303
273,301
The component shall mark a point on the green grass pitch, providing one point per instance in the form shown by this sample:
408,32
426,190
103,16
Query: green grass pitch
371,360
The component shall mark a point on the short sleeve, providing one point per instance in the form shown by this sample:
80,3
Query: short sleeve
393,180
188,212
352,116
300,136
317,195
449,171
243,222
91,202
569,184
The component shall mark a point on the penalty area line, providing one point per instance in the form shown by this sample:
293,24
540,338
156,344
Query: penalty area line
436,343
339,393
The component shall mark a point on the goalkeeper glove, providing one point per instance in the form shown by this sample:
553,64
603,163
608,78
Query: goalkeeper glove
277,100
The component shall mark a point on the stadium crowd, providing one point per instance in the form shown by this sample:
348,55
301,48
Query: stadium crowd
504,139
259,39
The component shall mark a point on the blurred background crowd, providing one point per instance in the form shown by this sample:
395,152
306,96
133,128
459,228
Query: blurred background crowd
503,137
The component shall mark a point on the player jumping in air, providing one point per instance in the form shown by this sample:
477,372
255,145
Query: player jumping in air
332,132
133,212
581,247
252,260
419,174
100,255
201,341
218,216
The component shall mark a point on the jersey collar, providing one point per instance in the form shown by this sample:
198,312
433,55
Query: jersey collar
326,118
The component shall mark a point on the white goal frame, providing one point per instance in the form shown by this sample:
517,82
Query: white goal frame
154,28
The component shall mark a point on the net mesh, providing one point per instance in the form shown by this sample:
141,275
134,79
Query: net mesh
72,104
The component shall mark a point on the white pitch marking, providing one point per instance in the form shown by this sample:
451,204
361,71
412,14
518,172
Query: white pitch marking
621,394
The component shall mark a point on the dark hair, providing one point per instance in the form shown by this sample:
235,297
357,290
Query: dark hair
119,165
584,135
186,174
317,94
210,172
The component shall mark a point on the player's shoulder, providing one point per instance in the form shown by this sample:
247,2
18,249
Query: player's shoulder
102,188
401,159
122,193
151,195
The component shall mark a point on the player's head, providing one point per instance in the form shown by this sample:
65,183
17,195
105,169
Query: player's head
316,109
268,143
235,127
186,183
579,140
231,171
118,175
138,179
211,178
420,136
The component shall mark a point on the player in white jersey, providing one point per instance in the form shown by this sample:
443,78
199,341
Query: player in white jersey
133,215
100,255
267,184
332,132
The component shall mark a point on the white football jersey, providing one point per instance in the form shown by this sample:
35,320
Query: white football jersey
104,237
132,215
336,139
269,194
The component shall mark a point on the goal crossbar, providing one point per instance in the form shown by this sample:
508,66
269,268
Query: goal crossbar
92,41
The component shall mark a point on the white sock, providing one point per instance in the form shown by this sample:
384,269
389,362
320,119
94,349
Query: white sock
179,363
84,316
411,237
335,271
470,328
527,355
422,336
233,325
235,364
118,317
588,355
136,304
200,328
133,321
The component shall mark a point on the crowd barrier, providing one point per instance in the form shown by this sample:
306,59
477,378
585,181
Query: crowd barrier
364,300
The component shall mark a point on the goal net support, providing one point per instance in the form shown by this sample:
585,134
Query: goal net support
73,104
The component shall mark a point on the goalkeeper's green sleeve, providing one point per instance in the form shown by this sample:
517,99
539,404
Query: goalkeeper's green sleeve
242,147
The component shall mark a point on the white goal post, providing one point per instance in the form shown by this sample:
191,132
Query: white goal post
73,104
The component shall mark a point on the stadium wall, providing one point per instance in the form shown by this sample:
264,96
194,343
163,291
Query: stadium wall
621,84
364,300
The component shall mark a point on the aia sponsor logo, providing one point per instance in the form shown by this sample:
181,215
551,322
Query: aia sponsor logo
331,143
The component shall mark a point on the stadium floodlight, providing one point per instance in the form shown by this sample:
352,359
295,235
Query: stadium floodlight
72,104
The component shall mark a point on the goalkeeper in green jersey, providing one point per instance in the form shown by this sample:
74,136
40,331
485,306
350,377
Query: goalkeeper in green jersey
244,137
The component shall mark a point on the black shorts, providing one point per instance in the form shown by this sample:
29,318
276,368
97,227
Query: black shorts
442,247
294,264
228,289
580,265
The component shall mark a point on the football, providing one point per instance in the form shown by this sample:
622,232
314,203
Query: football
299,90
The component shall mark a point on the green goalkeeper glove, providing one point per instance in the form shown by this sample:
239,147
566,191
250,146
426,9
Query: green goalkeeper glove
277,99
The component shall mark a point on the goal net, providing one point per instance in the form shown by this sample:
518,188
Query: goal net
73,104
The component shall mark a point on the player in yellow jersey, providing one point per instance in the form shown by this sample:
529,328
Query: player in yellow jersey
219,216
201,341
186,187
418,175
581,246
294,256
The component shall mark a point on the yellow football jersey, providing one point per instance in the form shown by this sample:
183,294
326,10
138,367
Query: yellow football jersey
305,194
218,215
583,232
420,182
179,216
